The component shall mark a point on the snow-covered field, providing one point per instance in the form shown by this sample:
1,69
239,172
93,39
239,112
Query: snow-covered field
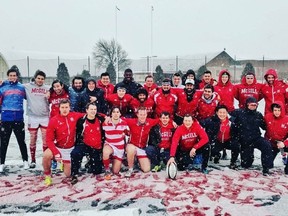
221,192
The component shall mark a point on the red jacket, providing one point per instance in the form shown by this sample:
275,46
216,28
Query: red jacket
183,106
244,91
61,131
164,103
277,128
205,108
225,91
274,92
139,133
149,104
92,134
188,138
202,84
55,99
122,103
107,89
150,89
166,135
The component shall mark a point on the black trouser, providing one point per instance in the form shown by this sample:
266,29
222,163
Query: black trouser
183,158
247,153
79,152
231,145
155,156
6,130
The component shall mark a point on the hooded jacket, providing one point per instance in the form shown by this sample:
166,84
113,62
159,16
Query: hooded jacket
12,94
244,91
205,108
225,91
274,92
248,123
96,92
277,128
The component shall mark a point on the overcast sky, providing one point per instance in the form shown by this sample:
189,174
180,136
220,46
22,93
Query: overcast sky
246,28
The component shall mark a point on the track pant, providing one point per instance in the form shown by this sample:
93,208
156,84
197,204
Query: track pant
247,153
6,130
79,152
183,158
155,156
231,145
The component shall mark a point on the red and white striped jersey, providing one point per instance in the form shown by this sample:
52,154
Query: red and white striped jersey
115,134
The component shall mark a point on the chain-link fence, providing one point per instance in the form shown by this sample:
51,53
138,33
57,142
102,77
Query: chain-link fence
144,66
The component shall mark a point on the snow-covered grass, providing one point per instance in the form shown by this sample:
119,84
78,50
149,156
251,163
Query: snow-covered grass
221,192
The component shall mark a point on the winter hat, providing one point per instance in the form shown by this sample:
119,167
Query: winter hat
90,80
190,81
251,100
142,91
121,86
166,81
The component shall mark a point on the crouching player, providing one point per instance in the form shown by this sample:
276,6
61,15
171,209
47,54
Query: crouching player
160,139
139,132
60,138
277,131
192,139
88,142
115,130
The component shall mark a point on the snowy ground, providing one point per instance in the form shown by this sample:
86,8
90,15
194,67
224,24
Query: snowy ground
221,192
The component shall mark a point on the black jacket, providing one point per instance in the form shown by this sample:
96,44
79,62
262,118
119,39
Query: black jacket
131,87
212,128
248,124
155,135
85,98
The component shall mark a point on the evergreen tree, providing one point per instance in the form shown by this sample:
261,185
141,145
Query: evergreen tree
248,68
159,75
85,74
111,70
14,67
62,74
200,72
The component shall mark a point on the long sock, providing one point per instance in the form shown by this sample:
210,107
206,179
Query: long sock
43,133
33,138
106,164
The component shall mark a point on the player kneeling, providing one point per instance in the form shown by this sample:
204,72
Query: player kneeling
115,130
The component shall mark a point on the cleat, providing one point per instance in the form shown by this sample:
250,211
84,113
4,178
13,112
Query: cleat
128,174
25,165
156,168
107,175
266,172
32,165
74,180
54,165
61,167
205,171
233,166
48,180
2,167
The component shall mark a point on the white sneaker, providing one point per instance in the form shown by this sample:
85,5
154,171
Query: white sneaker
129,173
25,165
2,166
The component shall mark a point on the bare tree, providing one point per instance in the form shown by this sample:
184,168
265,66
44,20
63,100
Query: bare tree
104,53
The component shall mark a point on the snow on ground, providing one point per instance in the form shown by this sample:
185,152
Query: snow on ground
221,192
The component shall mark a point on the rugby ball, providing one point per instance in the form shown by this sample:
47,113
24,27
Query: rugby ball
171,170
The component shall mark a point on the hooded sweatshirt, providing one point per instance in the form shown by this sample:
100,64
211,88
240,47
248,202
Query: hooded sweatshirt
225,91
273,92
277,128
244,91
